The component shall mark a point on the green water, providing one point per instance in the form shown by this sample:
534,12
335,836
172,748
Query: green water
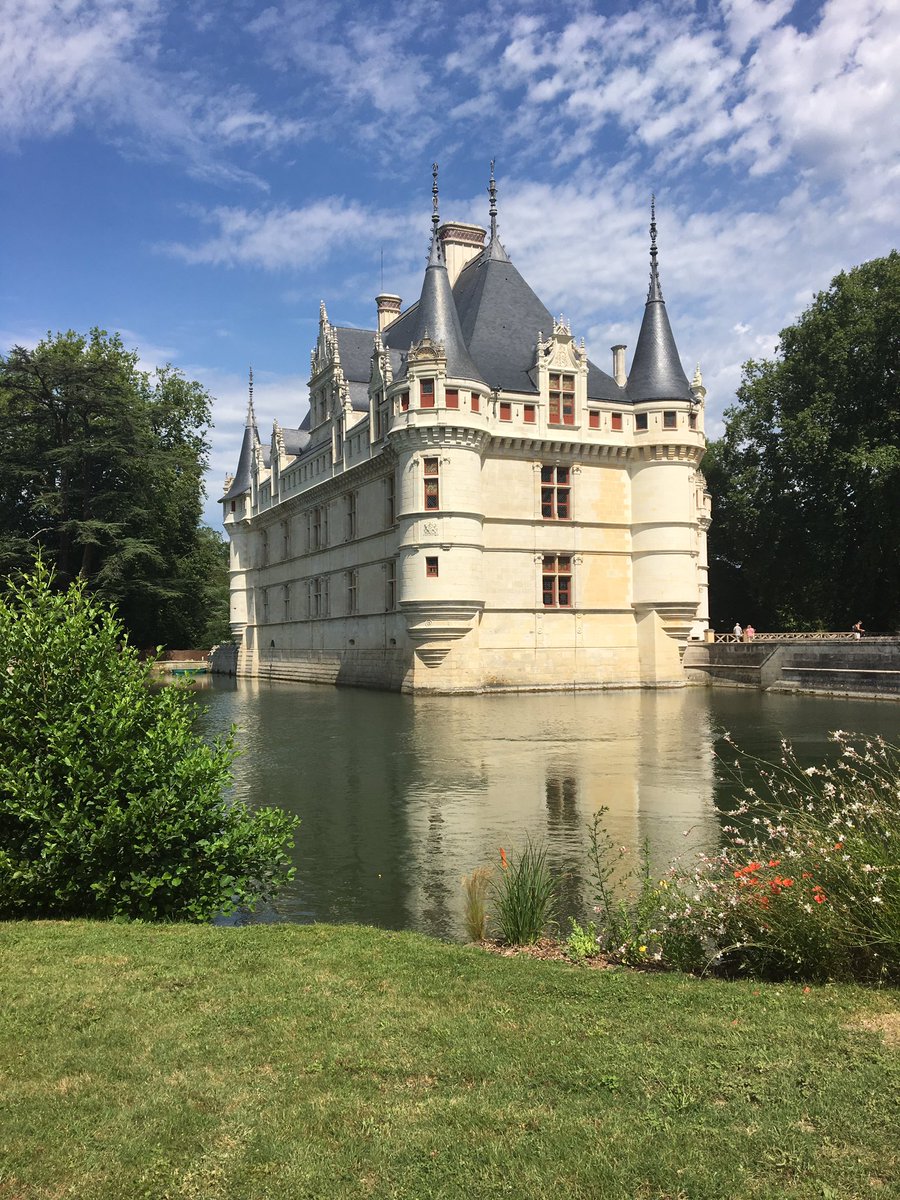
400,796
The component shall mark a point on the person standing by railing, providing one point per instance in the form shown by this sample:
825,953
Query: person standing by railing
858,630
737,631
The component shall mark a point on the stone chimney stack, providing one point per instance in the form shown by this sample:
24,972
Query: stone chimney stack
388,309
460,243
618,353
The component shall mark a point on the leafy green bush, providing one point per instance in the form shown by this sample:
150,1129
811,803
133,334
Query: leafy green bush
110,805
807,884
524,896
582,944
635,924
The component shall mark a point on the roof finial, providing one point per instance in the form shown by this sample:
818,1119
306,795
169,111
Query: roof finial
655,292
492,192
251,415
435,219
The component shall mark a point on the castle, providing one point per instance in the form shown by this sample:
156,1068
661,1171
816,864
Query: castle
471,503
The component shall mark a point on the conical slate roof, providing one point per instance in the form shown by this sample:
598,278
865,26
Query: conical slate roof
656,370
241,482
436,316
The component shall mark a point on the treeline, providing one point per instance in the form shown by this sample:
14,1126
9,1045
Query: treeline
101,468
806,478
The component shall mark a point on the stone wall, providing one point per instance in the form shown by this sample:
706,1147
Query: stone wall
867,668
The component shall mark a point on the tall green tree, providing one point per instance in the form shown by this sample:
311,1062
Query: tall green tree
102,468
806,479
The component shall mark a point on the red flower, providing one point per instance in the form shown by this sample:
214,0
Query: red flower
774,862
503,863
838,845
819,897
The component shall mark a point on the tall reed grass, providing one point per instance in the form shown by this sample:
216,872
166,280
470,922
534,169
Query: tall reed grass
524,896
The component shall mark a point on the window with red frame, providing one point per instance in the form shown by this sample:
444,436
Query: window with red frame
505,410
562,399
594,420
451,397
475,403
555,489
426,393
404,401
529,414
431,472
556,581
615,420
431,567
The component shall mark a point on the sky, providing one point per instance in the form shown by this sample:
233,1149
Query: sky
198,176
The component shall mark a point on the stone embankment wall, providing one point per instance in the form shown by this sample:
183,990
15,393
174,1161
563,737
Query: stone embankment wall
869,668
223,659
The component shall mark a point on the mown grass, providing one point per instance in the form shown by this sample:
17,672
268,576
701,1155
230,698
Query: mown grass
293,1062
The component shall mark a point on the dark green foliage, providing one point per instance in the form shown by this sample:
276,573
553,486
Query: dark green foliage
806,479
102,469
110,804
524,896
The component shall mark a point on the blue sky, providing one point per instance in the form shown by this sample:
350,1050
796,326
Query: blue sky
199,176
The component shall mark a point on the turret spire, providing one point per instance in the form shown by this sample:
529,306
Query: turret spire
656,370
251,415
492,192
437,320
655,292
435,253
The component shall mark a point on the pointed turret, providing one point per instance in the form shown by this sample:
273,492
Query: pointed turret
656,370
495,249
241,481
436,315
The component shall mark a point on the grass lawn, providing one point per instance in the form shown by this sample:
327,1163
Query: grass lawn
292,1062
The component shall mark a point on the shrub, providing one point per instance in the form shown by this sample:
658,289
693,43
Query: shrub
582,942
807,884
524,896
635,924
110,804
476,888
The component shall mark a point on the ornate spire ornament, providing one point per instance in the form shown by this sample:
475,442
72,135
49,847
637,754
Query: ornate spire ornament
492,192
655,292
251,415
434,255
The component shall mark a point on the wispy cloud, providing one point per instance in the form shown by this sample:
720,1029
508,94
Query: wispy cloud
106,64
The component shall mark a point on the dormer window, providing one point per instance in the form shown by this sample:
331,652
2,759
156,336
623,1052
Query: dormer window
562,399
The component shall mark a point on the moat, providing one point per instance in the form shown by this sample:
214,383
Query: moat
400,796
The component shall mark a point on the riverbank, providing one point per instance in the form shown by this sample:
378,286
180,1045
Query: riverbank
286,1061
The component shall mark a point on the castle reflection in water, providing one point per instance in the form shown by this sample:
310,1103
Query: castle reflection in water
400,796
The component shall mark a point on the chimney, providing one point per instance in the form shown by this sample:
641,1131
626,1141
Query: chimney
460,243
618,353
388,309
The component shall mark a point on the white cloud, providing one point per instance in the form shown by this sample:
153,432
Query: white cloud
101,63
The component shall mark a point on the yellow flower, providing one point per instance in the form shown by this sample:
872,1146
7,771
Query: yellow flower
643,949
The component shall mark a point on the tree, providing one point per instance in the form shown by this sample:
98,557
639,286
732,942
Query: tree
103,469
806,479
110,804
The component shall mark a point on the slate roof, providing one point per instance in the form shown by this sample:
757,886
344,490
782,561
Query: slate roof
295,440
355,347
501,317
437,316
241,482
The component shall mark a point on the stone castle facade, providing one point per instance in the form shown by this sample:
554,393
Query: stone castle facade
470,503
